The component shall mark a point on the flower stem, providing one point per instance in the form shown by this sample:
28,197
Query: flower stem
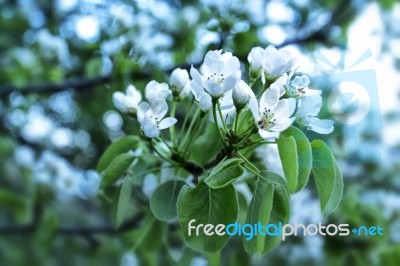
186,120
189,131
247,135
236,124
222,117
214,109
194,136
165,141
249,165
172,128
254,144
160,154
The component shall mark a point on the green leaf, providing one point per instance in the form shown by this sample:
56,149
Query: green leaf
116,169
163,200
16,203
304,155
327,176
270,205
280,208
288,154
225,173
118,147
206,206
123,202
145,230
207,146
259,211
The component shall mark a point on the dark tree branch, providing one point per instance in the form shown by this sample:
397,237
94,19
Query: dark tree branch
320,35
76,83
87,231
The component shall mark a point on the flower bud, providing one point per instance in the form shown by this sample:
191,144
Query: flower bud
241,94
178,79
255,59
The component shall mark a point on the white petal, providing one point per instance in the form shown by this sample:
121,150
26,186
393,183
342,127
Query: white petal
179,78
255,57
226,101
253,105
282,109
194,73
205,102
309,105
185,93
159,108
282,124
267,135
143,108
301,81
271,49
263,79
118,101
150,130
197,89
213,88
230,82
166,123
269,99
213,62
156,91
151,90
315,124
290,64
231,66
133,92
163,91
292,105
309,92
241,94
280,83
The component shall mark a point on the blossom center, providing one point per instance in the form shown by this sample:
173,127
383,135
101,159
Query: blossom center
155,120
267,119
219,78
295,91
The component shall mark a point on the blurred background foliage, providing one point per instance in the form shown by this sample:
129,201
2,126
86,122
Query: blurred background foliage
60,62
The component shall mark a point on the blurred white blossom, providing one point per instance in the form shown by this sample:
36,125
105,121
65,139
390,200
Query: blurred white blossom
128,102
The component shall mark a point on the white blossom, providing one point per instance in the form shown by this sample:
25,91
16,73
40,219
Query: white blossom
155,91
298,87
271,62
219,73
308,109
204,100
151,118
127,102
274,115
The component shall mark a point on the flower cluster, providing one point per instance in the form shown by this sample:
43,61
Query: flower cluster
218,119
283,99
